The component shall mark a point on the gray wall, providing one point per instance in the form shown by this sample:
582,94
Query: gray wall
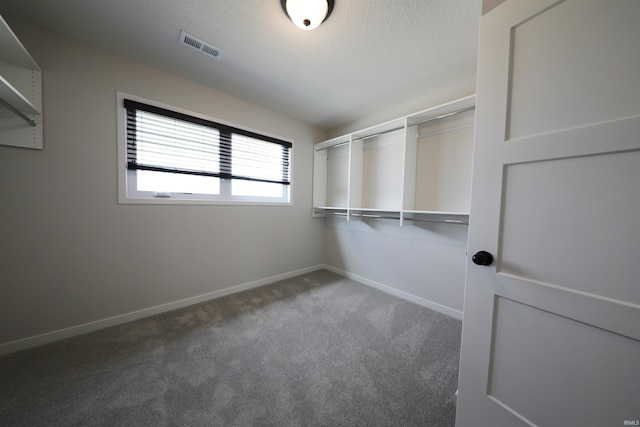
425,262
70,254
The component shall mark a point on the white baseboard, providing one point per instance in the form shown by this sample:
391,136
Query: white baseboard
398,293
36,340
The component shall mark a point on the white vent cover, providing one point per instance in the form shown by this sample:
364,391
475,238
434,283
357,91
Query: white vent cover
197,44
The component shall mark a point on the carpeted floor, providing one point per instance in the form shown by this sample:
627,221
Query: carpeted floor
314,350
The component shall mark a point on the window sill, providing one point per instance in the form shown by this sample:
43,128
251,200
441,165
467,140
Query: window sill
197,202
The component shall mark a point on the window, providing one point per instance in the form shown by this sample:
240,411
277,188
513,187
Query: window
175,157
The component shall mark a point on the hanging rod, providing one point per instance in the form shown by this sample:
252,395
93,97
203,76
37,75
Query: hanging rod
332,146
17,112
443,221
362,138
380,133
375,216
442,116
360,215
440,132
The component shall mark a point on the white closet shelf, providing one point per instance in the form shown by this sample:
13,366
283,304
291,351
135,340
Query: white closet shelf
344,139
436,216
20,93
374,213
369,132
442,111
13,97
13,53
12,50
364,212
404,215
390,164
389,126
329,209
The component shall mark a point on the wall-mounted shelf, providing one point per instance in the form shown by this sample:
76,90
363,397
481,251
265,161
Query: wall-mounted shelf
402,215
20,93
413,169
328,210
431,216
13,100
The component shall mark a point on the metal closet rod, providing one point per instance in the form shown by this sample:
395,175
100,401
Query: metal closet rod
473,107
382,132
332,146
374,216
440,132
442,116
17,112
443,221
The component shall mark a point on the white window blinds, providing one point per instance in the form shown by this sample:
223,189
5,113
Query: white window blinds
167,141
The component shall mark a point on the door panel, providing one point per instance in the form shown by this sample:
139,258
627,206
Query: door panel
551,331
544,368
592,54
596,201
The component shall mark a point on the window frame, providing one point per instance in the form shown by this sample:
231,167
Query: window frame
127,178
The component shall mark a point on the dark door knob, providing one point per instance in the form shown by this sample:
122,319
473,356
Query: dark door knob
482,258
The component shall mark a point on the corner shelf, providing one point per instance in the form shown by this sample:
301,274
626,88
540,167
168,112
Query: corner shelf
20,93
415,168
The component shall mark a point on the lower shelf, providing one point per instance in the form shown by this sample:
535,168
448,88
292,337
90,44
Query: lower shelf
320,211
436,216
399,215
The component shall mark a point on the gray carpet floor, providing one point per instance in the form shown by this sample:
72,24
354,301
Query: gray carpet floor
314,350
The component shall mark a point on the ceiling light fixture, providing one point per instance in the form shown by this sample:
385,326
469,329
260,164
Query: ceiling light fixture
307,14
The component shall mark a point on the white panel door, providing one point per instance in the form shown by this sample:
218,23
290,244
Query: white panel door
551,332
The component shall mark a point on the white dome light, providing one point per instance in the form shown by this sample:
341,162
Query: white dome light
307,14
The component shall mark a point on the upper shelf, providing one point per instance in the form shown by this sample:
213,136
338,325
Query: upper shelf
435,113
442,111
14,57
389,126
344,139
12,51
20,93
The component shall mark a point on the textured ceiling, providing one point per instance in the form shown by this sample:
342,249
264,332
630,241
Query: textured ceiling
368,55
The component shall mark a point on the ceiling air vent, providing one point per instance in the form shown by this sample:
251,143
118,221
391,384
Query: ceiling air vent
197,44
